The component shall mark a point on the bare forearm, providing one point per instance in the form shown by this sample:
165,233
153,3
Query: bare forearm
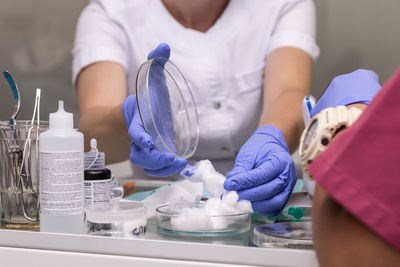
342,240
287,82
285,114
107,125
101,91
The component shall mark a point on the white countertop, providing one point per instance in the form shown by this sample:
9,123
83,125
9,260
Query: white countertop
164,250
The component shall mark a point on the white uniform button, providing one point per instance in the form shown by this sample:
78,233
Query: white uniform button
224,148
217,105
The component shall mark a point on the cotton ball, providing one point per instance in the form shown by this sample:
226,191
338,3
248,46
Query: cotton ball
244,205
212,204
229,201
213,180
230,198
202,169
198,211
179,194
192,223
227,209
207,217
216,207
193,211
219,223
186,211
205,167
180,222
214,184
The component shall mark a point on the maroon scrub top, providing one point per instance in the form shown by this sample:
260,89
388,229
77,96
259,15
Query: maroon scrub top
361,168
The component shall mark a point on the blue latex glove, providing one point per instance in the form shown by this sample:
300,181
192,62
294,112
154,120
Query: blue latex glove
264,171
143,152
359,86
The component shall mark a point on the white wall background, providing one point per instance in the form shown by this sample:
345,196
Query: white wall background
356,34
36,39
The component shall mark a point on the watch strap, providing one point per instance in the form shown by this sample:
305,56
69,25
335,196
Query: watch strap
330,122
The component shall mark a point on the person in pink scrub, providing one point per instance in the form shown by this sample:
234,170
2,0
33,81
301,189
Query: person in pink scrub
356,210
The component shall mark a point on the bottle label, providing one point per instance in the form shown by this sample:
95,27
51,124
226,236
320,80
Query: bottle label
61,183
97,192
125,229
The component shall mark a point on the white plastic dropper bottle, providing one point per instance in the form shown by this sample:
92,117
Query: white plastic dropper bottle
61,175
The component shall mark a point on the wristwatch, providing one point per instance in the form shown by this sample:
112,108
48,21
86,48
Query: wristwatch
320,131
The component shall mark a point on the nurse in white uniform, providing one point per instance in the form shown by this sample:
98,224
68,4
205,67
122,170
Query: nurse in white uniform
248,63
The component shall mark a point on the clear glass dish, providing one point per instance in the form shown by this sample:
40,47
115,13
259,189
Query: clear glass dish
167,108
171,221
284,235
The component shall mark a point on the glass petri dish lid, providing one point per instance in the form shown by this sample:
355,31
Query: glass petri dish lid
296,235
167,107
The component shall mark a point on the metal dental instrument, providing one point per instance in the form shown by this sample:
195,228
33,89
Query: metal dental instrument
13,148
19,156
23,173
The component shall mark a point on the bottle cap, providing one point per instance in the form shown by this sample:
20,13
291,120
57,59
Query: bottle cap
94,160
61,120
96,175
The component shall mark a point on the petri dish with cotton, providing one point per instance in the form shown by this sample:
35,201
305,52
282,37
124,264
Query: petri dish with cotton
297,235
167,107
172,220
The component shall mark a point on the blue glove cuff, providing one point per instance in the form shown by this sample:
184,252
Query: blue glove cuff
273,132
128,109
359,86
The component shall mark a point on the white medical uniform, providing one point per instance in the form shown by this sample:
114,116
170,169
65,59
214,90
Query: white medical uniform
224,66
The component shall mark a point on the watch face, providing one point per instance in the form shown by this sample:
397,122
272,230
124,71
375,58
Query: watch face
310,134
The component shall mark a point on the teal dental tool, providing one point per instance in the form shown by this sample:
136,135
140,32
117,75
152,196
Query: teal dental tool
16,95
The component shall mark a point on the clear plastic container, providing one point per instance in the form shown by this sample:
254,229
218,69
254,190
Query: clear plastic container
127,221
296,235
171,221
167,108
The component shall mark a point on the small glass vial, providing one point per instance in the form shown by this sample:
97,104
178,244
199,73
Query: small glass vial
97,177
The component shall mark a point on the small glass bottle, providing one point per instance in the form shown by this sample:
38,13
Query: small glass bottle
97,177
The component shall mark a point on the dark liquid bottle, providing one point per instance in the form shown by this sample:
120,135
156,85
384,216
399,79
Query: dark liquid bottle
97,177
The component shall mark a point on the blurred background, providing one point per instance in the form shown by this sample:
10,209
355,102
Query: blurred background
37,37
35,46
